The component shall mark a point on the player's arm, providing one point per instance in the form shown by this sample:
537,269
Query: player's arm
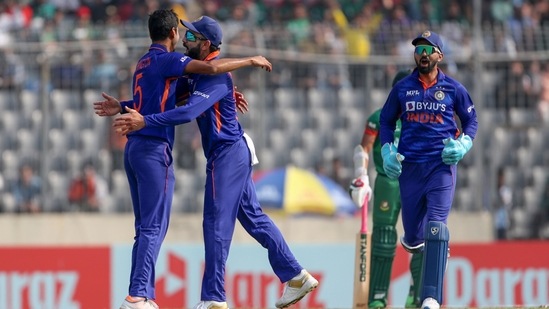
455,149
196,105
388,118
465,110
224,65
387,123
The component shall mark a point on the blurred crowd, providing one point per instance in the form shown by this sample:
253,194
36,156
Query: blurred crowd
365,25
355,28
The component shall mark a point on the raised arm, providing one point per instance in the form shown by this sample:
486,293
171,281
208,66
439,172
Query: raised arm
224,65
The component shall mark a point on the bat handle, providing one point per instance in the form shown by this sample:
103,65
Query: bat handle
364,217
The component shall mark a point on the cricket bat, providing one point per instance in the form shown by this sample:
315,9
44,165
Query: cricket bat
361,282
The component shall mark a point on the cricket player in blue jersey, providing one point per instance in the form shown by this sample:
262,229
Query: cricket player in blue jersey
229,191
425,161
148,154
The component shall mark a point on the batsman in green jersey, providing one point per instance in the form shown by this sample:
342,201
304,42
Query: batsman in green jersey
386,210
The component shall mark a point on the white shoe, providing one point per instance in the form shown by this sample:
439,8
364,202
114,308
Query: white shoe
296,289
211,305
138,303
430,303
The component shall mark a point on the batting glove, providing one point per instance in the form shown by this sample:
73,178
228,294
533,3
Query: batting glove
455,149
360,190
391,160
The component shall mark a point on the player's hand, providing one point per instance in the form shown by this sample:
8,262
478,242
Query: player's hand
108,107
391,160
260,61
360,190
455,149
241,103
129,122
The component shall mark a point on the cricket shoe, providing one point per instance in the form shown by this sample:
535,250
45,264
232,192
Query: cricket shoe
211,305
430,303
138,303
296,289
377,304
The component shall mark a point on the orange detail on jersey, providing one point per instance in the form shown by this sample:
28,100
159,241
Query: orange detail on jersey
212,55
166,93
425,86
217,116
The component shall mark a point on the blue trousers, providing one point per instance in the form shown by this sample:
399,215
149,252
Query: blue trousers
230,195
148,164
427,191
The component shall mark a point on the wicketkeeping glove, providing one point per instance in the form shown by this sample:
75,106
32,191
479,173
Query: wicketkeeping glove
360,190
391,160
455,149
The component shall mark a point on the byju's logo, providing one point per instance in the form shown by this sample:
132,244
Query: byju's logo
410,106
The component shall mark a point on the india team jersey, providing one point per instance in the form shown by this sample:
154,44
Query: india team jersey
211,103
427,116
154,84
372,128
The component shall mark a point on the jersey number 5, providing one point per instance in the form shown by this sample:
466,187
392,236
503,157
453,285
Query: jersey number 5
137,91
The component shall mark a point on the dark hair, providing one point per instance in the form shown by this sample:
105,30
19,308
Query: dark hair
161,22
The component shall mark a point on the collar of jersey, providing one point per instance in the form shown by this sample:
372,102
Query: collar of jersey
158,46
212,55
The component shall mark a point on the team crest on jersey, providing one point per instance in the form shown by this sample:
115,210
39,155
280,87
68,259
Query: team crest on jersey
410,106
434,230
439,95
384,206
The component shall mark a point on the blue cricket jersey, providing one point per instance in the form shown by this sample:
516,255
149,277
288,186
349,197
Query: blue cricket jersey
211,103
151,96
427,116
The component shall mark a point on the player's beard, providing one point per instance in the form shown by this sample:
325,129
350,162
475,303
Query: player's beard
425,69
194,52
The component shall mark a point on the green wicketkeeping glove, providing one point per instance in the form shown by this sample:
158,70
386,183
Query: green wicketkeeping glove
391,160
455,149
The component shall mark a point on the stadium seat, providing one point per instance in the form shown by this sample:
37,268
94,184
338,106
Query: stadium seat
90,142
59,140
322,98
27,141
10,164
531,199
9,100
267,159
300,158
121,191
30,101
57,186
64,99
289,98
10,121
71,120
523,117
521,224
464,200
291,119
